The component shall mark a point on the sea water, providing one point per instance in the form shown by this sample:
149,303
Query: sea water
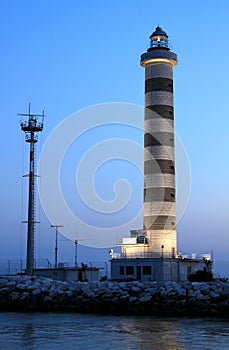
58,331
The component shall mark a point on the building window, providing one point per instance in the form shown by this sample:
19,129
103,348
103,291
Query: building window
121,270
129,270
146,270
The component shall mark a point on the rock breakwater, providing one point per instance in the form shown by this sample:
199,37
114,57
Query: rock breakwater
24,293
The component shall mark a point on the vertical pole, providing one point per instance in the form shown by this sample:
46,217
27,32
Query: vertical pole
106,269
30,235
76,244
8,266
91,270
56,248
56,244
162,251
20,265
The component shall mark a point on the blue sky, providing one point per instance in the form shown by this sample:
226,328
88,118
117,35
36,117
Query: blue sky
67,55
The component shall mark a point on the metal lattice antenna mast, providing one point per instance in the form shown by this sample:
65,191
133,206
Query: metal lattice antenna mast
31,126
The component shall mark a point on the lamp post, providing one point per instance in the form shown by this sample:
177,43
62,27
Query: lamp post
56,245
162,251
76,257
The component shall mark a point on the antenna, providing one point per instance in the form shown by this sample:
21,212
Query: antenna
31,125
56,245
76,246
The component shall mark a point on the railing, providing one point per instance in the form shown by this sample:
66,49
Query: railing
162,255
28,137
161,43
142,255
18,266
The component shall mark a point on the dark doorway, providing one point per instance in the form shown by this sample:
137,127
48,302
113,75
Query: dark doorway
139,273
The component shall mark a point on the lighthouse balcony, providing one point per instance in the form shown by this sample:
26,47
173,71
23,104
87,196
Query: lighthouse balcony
31,126
162,255
160,55
142,255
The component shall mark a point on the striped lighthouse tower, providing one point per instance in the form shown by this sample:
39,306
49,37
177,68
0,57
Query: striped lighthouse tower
159,161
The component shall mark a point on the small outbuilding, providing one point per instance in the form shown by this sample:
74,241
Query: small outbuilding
68,274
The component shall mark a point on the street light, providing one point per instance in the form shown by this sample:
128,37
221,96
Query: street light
162,251
76,257
56,245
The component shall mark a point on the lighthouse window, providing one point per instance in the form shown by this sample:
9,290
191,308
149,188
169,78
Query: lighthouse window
172,195
172,167
129,270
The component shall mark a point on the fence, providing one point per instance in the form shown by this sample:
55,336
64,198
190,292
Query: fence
18,266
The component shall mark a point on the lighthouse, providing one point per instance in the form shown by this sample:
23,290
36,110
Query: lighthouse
150,253
159,158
